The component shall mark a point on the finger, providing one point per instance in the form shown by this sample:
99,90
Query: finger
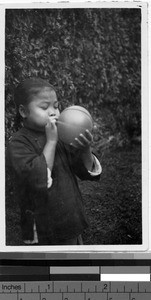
53,118
87,140
77,144
80,143
88,135
73,146
47,124
83,139
95,127
51,124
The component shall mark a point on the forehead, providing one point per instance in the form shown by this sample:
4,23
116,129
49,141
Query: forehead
45,93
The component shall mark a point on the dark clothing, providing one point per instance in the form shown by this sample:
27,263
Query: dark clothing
75,241
57,211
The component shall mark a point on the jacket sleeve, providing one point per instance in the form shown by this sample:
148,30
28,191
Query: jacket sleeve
81,171
28,166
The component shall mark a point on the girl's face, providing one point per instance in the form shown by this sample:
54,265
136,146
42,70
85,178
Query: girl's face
42,106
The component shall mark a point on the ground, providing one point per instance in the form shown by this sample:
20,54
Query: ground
113,204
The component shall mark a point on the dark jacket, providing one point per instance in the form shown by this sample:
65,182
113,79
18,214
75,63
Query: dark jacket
58,211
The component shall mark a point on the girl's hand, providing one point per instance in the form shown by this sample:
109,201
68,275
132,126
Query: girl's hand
83,141
51,129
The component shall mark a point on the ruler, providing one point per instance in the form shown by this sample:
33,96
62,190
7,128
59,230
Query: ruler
85,290
75,280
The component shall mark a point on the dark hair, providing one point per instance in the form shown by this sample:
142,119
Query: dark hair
25,91
29,88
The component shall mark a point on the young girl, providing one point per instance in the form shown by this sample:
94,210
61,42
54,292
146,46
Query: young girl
45,169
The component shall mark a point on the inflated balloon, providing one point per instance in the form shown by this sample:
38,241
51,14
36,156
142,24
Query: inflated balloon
73,121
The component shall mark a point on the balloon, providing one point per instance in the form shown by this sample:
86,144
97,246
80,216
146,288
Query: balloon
73,121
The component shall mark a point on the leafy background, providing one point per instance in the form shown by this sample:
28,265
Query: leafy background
93,58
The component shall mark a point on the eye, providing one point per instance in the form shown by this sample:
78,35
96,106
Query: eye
44,107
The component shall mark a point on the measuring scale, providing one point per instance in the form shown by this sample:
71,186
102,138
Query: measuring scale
100,280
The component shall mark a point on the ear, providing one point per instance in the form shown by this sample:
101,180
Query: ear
23,111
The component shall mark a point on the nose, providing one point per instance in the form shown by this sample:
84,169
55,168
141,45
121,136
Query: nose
51,113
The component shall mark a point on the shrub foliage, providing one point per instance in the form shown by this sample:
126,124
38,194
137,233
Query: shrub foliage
92,56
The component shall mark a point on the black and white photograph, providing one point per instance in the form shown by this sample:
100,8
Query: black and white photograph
75,131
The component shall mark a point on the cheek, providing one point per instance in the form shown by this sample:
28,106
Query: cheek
57,113
39,115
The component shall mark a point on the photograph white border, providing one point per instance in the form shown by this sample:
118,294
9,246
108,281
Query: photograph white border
145,131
